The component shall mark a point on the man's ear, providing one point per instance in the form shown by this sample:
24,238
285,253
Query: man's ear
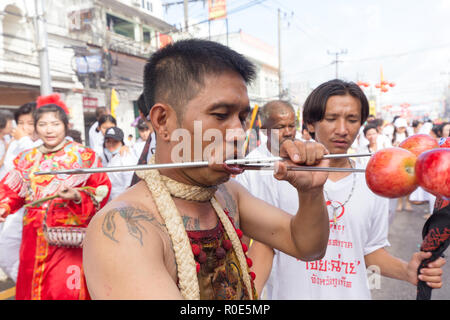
163,118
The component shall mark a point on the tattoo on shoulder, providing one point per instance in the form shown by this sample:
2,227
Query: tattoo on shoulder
133,218
230,204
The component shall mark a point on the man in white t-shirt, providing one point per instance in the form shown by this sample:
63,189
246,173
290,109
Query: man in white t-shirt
333,114
113,143
96,137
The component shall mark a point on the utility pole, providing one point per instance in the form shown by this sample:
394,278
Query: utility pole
186,15
280,84
42,48
336,61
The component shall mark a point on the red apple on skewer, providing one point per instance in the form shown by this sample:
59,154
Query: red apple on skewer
433,171
419,143
390,172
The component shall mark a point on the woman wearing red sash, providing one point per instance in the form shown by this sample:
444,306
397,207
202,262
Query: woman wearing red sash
58,207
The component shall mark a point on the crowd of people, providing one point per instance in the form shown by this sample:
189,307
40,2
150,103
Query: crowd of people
203,232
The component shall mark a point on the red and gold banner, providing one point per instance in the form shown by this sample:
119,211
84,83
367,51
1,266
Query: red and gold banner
217,9
164,40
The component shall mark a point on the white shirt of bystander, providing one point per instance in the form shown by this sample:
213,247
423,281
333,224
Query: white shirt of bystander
360,228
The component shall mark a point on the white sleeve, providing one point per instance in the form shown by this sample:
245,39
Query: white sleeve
243,179
379,226
120,181
92,134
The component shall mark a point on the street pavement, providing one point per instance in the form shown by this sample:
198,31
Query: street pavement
405,236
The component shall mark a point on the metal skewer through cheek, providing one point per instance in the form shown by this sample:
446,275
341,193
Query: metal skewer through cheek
249,164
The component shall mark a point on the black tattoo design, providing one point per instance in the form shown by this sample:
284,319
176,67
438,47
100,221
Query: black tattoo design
230,204
133,218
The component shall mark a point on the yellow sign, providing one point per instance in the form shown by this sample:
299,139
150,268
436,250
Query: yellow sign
372,107
217,9
114,102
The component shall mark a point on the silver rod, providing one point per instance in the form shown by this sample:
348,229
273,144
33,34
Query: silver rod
303,168
125,168
274,159
194,164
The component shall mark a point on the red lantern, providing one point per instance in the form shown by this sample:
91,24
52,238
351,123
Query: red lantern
392,84
378,86
384,89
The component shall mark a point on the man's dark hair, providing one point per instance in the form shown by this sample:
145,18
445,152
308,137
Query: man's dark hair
378,122
142,106
437,130
368,127
99,111
416,123
316,103
5,116
60,114
142,125
106,118
175,73
440,131
26,108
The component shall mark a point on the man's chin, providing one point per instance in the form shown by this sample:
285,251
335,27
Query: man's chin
210,177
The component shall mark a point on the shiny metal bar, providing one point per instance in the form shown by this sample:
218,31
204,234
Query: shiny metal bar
304,168
274,159
262,162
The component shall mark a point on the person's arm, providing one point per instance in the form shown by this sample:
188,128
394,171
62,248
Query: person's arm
13,189
123,256
396,268
262,259
305,235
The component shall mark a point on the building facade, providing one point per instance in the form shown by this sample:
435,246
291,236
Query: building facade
94,46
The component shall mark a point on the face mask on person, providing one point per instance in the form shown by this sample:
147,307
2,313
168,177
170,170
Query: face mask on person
110,154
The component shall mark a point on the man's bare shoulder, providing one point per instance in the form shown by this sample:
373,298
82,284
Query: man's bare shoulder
123,241
121,219
127,216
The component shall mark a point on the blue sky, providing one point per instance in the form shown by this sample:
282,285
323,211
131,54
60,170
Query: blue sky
408,39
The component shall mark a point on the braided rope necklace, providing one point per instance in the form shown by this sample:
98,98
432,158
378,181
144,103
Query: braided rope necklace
162,189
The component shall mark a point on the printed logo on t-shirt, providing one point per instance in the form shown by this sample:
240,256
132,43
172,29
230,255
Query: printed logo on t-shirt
335,213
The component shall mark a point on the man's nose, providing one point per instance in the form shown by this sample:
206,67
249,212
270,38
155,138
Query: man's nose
341,127
288,132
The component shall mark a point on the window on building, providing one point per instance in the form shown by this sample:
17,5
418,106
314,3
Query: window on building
149,6
120,26
147,35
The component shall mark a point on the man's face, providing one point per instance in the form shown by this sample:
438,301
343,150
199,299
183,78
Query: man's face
371,136
220,106
340,125
144,134
112,144
26,123
282,124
